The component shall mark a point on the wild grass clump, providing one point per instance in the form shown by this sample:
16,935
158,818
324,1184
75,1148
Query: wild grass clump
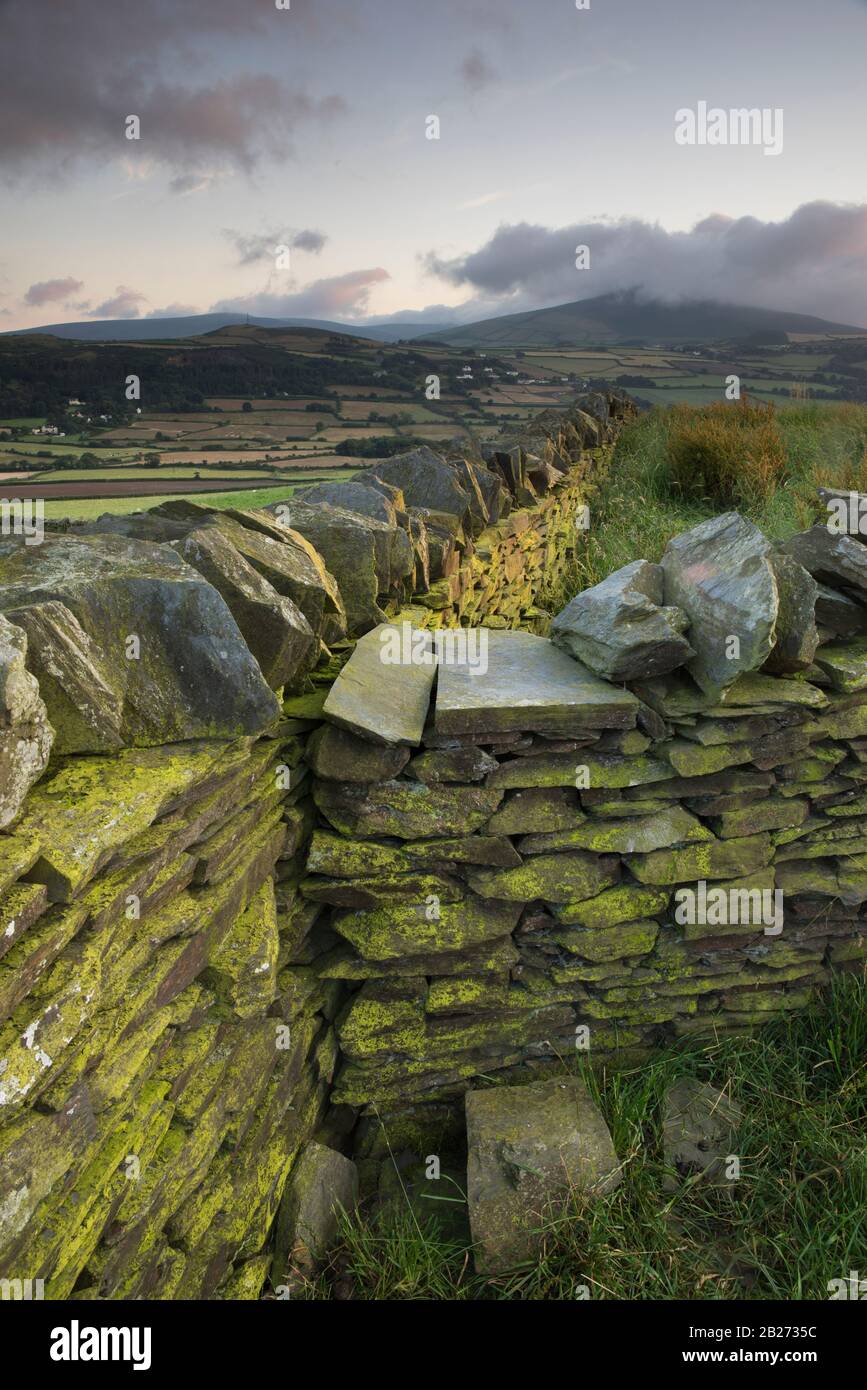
730,454
669,466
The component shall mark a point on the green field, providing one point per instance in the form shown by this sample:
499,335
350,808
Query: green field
107,475
89,508
47,445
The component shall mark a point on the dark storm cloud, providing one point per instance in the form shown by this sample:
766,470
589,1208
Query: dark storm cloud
48,291
256,247
814,261
339,296
77,68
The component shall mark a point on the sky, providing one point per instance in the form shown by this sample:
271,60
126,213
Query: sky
283,164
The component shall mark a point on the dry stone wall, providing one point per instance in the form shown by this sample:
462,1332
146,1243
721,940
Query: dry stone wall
168,1036
651,825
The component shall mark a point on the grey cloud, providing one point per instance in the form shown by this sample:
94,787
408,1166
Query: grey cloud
814,261
255,247
338,296
309,240
123,304
76,69
476,71
172,311
47,291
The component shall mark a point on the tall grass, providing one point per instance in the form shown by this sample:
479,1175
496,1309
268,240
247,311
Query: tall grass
729,454
675,466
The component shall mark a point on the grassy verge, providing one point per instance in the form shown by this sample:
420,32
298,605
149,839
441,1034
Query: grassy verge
646,498
796,1218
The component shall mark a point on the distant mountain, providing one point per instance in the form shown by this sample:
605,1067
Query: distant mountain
618,318
609,318
140,330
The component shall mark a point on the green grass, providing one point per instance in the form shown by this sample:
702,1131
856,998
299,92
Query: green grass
795,1219
89,508
638,510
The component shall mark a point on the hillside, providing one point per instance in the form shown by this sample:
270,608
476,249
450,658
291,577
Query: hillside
619,318
141,330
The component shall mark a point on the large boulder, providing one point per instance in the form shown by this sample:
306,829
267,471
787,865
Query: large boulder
75,683
620,628
167,645
284,558
352,497
368,558
275,630
719,573
426,480
25,733
530,1147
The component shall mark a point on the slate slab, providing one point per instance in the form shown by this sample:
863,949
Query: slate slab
528,684
385,701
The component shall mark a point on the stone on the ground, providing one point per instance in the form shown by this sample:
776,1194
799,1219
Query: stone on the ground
698,1131
620,628
25,733
529,1147
383,691
322,1182
719,573
168,645
514,680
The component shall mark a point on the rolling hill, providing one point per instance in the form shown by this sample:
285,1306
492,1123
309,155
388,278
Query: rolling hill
142,330
621,318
